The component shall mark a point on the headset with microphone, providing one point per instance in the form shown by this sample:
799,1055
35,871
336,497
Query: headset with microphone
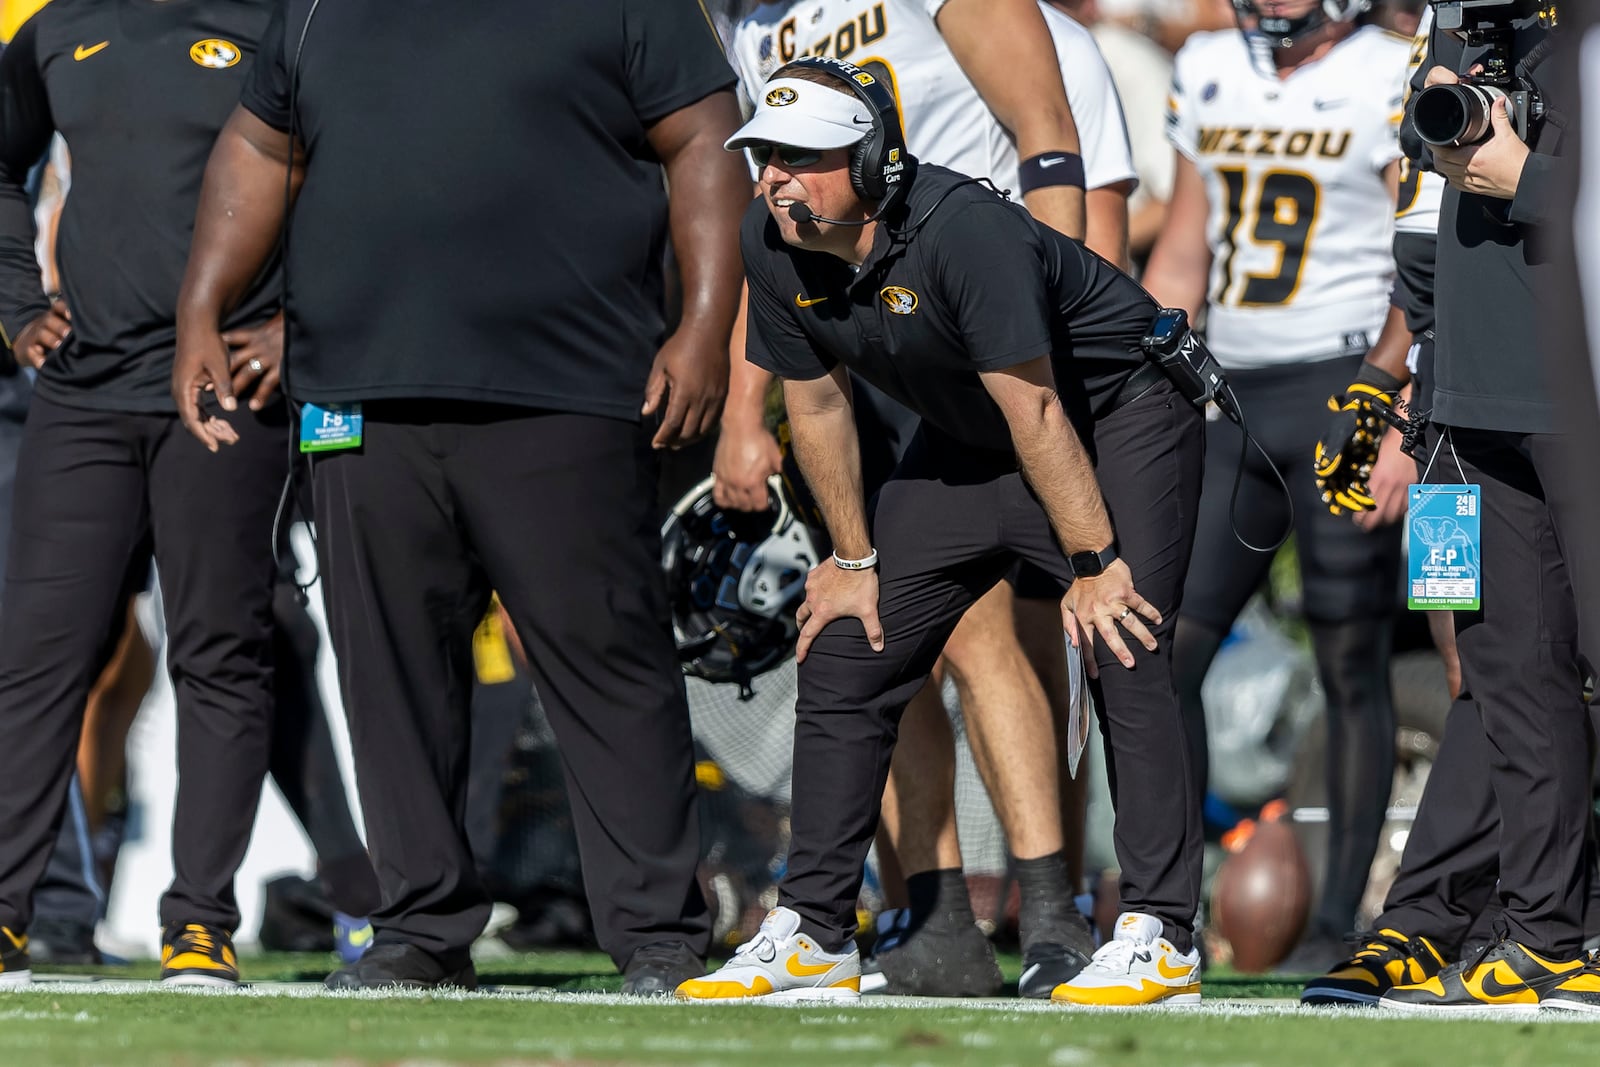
880,164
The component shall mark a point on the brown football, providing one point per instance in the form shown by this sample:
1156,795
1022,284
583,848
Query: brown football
1261,897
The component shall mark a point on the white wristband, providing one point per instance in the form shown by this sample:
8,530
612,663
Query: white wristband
865,563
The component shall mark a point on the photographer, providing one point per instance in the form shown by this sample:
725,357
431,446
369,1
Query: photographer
1497,137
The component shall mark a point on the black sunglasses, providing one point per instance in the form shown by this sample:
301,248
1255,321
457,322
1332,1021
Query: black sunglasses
792,157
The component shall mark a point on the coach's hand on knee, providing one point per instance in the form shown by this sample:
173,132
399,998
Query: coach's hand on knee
1102,604
834,593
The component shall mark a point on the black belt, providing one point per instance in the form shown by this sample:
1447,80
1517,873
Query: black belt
1137,384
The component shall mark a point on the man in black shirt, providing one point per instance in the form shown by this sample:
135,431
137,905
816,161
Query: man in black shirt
959,306
475,309
139,92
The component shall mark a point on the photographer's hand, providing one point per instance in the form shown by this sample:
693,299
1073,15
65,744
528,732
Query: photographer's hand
1492,167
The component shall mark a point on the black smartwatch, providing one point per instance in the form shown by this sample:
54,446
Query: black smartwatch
1092,564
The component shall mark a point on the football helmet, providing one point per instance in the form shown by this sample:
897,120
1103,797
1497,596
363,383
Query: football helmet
1286,32
735,580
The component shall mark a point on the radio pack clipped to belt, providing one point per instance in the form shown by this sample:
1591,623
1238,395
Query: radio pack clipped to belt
1188,363
1184,358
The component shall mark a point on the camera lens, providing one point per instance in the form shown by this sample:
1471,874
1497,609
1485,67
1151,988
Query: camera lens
1454,115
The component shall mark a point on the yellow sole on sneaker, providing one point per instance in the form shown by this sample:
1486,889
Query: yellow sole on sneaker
1121,997
789,996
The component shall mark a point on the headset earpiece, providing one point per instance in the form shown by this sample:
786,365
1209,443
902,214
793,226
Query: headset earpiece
879,160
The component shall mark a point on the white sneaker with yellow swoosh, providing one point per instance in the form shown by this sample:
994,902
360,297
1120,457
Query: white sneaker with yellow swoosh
1136,967
780,963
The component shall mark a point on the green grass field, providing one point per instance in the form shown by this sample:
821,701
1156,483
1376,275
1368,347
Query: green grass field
572,1020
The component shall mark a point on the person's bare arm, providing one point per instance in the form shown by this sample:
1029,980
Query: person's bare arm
822,422
1145,226
1058,468
709,190
747,453
238,222
1180,263
1005,49
1108,223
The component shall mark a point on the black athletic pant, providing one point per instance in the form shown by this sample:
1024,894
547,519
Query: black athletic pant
1445,887
1350,580
948,525
442,503
92,487
1519,666
68,890
304,766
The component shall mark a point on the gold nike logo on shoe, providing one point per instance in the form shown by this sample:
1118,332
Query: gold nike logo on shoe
1504,976
800,300
81,53
780,963
1138,966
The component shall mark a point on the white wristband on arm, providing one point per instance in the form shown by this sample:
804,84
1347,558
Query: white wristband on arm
867,562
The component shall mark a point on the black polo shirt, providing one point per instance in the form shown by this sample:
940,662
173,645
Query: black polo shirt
483,217
977,285
139,91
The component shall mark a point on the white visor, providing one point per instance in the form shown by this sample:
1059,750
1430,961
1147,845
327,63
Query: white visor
803,114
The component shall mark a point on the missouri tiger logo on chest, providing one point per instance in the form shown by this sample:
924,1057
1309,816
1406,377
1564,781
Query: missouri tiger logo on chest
215,53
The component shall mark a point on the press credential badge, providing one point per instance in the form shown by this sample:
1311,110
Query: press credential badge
1444,556
323,429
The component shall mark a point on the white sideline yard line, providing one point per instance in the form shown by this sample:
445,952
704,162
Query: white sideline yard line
1230,1007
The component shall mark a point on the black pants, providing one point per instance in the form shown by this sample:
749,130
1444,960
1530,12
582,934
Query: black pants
443,503
1534,745
1350,580
948,526
1445,888
93,487
303,763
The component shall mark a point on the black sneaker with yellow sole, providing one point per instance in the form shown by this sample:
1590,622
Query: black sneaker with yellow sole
1503,977
16,969
1385,960
194,954
1578,992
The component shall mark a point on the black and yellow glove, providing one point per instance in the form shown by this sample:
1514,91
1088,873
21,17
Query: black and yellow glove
1349,447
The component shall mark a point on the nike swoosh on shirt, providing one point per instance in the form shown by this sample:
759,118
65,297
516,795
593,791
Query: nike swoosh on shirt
800,300
81,53
1325,105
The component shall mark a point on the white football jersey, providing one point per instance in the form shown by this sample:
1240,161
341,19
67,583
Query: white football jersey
1301,222
1417,210
946,121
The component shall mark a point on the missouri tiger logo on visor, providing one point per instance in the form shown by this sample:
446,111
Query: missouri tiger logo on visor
901,301
215,53
781,96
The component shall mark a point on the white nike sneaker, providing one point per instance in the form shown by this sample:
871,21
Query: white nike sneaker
780,963
1138,966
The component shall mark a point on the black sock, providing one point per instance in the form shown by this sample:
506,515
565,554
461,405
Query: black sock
939,900
1049,914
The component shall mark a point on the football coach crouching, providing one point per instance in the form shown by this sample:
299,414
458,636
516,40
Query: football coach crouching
1024,356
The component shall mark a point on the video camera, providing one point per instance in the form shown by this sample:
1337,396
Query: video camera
1455,115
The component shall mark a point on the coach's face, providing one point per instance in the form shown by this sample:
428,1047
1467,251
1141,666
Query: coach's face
821,181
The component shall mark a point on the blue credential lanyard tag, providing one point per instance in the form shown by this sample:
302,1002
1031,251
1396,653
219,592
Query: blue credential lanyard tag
323,429
1444,548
